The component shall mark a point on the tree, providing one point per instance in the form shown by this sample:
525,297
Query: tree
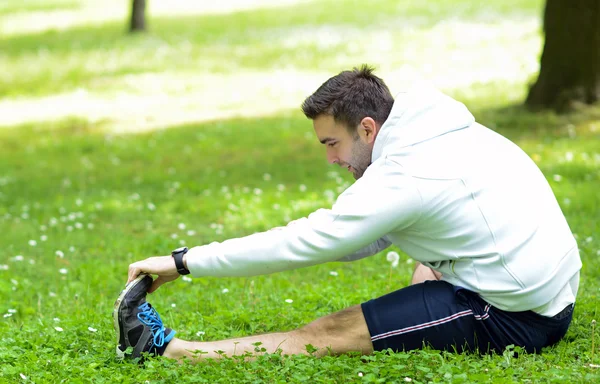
570,62
138,16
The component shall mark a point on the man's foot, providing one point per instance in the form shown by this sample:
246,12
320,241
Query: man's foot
137,324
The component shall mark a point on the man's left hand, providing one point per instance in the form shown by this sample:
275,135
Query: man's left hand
163,266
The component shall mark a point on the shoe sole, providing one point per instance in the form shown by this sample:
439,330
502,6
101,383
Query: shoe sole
128,287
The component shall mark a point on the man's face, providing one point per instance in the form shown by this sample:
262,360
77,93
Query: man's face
351,151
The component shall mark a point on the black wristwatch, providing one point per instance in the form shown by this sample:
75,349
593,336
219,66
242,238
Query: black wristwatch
178,257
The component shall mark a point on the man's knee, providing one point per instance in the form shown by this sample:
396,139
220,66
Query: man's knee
339,332
423,273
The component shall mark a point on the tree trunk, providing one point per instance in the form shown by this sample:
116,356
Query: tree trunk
570,63
138,16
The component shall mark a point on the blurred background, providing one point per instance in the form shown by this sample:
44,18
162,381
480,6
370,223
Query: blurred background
130,128
192,61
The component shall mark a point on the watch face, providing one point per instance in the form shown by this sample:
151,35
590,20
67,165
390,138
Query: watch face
180,249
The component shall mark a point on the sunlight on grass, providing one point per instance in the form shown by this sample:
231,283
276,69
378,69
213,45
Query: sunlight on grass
451,55
33,16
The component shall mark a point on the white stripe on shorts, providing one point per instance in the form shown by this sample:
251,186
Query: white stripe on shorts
433,323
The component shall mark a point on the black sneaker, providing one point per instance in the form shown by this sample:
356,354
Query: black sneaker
137,324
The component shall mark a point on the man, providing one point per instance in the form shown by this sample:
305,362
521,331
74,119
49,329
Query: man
498,264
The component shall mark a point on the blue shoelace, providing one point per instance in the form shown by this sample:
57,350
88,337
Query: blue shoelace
150,318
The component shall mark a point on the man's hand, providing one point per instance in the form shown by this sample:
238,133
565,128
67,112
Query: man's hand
163,266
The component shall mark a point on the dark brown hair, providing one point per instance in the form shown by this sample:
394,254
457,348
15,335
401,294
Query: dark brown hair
351,96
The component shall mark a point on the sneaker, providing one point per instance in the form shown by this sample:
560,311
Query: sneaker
137,324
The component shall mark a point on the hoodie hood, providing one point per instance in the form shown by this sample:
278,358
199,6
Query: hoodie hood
418,114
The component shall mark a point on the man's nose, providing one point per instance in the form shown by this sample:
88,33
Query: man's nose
332,158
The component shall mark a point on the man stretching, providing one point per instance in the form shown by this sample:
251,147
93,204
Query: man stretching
497,262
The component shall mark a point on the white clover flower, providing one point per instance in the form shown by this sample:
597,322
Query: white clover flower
71,249
174,236
187,279
78,202
78,225
25,215
69,228
51,294
53,221
33,243
14,282
31,261
257,191
3,267
569,156
58,329
333,273
200,333
557,178
276,206
43,238
18,258
56,319
280,187
302,188
182,242
173,305
589,239
90,225
225,290
267,177
360,374
7,315
289,301
181,226
409,261
63,271
151,206
393,258
407,379
23,376
43,228
92,329
12,311
191,232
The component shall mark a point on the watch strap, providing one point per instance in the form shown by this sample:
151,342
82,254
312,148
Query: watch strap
178,257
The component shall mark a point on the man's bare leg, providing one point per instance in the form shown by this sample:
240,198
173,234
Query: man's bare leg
423,273
338,333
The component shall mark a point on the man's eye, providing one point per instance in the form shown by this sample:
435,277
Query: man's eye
332,144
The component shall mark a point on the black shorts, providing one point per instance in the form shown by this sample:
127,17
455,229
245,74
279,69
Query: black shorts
445,317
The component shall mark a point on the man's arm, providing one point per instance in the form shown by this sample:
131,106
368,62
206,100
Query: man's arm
384,200
369,250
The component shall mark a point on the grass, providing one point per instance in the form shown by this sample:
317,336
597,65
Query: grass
78,203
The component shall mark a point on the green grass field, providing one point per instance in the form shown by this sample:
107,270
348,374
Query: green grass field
81,196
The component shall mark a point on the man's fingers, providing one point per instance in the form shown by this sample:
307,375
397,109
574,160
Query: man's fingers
133,273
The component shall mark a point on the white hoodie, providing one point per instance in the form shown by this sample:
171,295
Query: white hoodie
450,193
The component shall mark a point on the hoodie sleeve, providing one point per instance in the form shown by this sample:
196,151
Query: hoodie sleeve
382,201
369,250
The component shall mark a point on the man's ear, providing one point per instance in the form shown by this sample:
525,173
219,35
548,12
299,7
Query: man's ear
367,130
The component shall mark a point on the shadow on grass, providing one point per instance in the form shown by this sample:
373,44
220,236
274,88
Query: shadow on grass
240,151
